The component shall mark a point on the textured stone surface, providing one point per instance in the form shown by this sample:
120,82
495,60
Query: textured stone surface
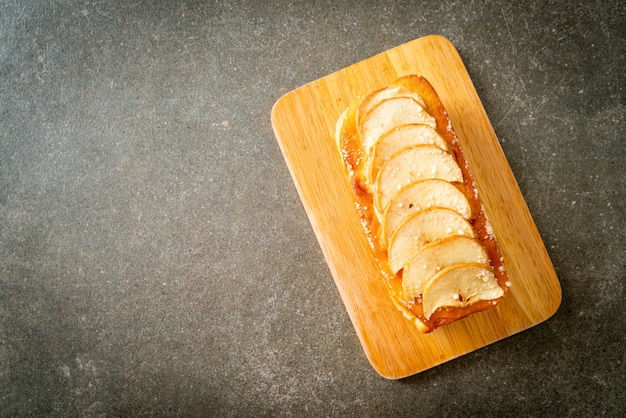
155,258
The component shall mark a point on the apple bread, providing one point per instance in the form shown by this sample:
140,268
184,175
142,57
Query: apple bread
419,206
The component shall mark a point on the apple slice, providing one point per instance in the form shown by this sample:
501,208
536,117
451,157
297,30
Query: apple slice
436,256
373,99
459,286
420,195
421,229
402,136
388,114
418,162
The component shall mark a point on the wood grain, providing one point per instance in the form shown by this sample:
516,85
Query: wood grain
304,124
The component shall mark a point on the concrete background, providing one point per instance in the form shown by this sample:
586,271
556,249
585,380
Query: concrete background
155,259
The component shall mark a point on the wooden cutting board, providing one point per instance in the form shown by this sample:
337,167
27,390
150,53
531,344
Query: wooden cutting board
304,123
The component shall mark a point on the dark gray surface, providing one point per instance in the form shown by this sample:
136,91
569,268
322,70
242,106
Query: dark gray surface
155,258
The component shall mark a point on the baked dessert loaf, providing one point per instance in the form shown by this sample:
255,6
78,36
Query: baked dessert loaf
419,205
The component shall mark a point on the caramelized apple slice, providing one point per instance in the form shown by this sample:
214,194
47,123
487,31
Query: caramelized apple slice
419,162
420,195
459,286
373,99
436,256
400,137
388,114
422,228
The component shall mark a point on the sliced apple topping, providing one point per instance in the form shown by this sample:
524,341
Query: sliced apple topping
419,162
387,115
421,229
373,99
436,256
459,286
400,137
420,195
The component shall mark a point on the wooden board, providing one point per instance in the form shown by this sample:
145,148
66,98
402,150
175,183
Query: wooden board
304,122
